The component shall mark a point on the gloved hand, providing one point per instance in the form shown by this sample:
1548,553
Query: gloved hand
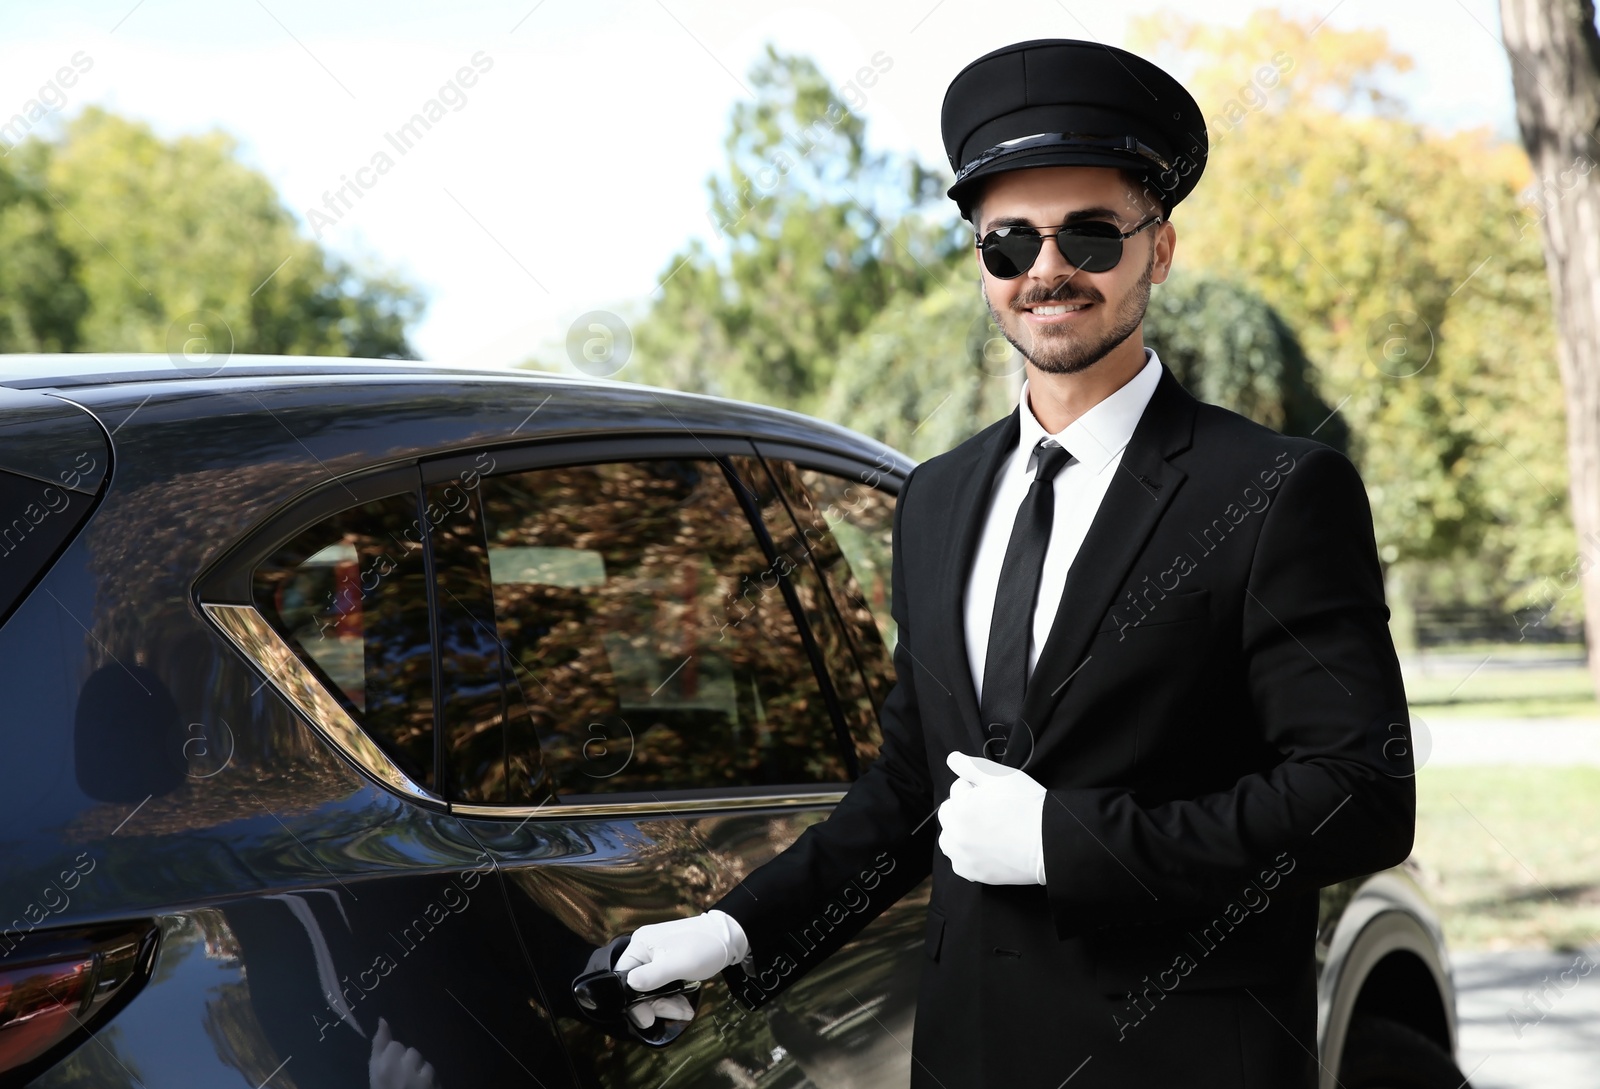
993,822
697,947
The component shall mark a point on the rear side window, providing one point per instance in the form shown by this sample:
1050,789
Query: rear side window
37,517
807,553
861,518
652,642
350,597
846,526
54,460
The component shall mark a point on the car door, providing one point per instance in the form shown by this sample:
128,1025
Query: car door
663,634
412,959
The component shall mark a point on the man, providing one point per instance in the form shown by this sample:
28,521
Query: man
1144,673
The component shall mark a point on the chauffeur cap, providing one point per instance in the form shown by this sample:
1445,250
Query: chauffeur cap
1064,102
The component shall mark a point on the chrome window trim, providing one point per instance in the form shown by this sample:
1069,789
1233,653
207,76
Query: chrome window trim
667,808
250,633
264,648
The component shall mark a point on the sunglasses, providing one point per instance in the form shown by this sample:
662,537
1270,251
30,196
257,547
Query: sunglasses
1095,246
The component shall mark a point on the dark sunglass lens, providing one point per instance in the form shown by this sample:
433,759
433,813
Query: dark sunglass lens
1090,253
1008,255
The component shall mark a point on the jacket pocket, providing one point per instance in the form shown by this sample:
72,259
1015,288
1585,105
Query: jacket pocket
1202,953
934,937
1169,610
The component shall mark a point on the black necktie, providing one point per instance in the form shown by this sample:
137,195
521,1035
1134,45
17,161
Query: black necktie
1005,667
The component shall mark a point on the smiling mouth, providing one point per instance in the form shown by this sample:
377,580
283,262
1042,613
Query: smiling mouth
1055,313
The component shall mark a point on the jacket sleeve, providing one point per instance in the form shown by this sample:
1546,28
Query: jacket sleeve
1324,681
875,846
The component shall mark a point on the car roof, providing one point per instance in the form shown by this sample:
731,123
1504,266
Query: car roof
66,371
101,382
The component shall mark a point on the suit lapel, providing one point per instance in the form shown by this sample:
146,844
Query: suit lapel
1139,494
973,490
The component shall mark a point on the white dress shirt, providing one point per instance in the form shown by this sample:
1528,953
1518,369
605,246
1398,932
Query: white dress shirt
1096,440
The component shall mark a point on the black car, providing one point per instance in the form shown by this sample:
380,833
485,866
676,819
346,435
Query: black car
349,705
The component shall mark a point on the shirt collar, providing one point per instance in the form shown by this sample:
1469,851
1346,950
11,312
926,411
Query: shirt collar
1098,435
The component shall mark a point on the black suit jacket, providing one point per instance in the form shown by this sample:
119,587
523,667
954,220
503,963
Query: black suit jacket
1212,715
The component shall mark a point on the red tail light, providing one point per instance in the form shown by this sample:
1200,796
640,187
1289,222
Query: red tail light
56,985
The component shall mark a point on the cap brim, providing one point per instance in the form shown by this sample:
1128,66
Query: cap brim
963,191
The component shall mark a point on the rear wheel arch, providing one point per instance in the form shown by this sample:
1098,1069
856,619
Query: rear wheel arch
1386,961
1402,988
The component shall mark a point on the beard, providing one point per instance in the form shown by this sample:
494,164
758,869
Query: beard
1060,349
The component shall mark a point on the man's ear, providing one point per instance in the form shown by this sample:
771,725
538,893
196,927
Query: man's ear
1166,247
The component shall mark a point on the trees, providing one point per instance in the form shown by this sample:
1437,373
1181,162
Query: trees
848,289
112,236
1555,71
1343,270
41,300
1402,258
815,235
927,374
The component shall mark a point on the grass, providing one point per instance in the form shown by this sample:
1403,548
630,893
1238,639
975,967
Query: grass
1449,689
1525,693
1511,855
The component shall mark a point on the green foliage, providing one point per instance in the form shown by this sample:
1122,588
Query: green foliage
917,377
816,234
931,371
1230,348
1342,270
1399,256
42,302
112,235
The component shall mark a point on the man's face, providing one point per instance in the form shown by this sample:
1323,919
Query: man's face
1112,303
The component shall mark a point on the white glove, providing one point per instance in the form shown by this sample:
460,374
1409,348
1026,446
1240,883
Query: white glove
993,822
697,947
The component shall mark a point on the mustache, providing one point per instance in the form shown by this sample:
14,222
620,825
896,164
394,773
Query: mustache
1066,293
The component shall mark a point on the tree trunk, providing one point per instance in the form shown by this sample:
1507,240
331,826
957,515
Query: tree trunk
1555,71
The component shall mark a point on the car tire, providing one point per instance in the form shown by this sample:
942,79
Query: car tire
1380,1053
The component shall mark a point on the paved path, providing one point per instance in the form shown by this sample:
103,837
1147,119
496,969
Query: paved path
1552,1042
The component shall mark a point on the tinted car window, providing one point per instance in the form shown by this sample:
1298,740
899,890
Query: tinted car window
861,517
53,460
37,518
658,650
802,539
491,752
851,524
349,596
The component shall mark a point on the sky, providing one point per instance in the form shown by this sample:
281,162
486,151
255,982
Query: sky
565,177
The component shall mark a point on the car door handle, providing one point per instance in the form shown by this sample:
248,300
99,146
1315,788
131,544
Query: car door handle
604,996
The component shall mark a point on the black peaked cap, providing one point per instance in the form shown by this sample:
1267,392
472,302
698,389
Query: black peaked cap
1065,102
